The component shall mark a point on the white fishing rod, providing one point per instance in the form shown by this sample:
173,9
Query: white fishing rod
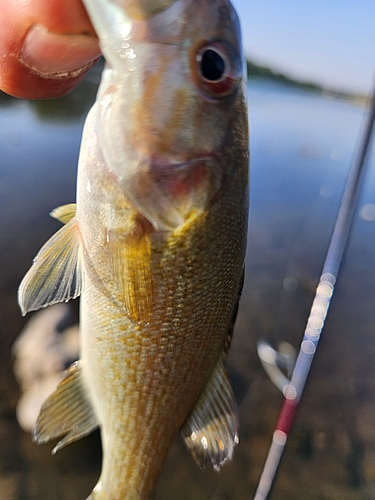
324,292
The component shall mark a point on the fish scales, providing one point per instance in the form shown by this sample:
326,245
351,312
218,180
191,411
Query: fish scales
166,365
155,245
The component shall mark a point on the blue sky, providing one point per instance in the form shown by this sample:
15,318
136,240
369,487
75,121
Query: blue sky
331,42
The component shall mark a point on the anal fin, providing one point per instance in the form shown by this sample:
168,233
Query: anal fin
67,411
210,432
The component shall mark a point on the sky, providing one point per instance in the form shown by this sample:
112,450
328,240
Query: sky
330,42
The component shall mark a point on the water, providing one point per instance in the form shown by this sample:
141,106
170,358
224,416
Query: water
301,148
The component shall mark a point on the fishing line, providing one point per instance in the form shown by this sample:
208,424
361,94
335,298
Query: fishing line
319,310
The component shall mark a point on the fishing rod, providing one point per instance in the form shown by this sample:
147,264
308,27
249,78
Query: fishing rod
294,389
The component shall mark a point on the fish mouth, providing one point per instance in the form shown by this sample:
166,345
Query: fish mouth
144,9
170,191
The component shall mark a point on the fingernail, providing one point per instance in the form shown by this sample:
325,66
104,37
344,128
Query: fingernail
55,54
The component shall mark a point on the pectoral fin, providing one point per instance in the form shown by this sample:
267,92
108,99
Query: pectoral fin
66,412
57,271
210,432
64,213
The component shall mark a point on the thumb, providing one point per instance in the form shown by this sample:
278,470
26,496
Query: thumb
46,47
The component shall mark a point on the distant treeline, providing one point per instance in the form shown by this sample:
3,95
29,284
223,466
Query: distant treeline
257,71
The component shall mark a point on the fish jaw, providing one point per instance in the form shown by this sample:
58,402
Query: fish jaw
114,23
154,110
133,9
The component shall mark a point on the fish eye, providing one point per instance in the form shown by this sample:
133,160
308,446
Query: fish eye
212,65
217,69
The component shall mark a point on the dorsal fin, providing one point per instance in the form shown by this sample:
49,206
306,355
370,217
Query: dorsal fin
56,274
67,411
210,432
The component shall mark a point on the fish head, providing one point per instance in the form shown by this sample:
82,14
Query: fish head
171,102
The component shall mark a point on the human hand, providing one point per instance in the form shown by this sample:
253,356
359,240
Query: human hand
46,47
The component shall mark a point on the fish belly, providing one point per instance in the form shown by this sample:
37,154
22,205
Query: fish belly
143,380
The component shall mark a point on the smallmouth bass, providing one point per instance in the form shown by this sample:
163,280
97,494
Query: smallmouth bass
155,244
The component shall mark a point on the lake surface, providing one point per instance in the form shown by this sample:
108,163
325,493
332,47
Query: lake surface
301,148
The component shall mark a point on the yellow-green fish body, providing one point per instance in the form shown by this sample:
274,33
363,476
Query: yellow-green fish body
155,244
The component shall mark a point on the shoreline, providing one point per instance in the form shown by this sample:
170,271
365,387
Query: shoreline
257,71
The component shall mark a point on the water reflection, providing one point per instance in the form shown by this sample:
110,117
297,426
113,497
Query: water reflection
301,147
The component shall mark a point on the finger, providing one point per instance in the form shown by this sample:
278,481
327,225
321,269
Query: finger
46,47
